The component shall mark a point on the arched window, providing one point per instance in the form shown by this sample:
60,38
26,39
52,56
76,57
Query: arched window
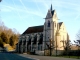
48,23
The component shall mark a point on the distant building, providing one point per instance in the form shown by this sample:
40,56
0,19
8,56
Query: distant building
41,38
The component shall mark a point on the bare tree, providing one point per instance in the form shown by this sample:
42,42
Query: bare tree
66,45
3,37
7,35
78,35
77,42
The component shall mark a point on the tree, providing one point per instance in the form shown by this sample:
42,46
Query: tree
13,40
78,35
77,42
4,37
7,35
1,42
66,45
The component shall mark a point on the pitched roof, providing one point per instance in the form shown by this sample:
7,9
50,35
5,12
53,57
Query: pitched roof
60,23
34,29
52,12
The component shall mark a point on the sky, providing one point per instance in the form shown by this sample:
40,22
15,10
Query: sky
21,14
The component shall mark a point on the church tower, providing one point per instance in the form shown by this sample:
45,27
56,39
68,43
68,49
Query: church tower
50,28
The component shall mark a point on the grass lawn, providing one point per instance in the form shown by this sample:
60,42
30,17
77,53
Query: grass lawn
76,57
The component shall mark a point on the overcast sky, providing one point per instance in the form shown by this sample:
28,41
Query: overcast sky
21,14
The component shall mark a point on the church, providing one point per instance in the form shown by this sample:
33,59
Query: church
46,39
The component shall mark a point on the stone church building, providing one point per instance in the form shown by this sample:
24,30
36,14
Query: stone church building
44,39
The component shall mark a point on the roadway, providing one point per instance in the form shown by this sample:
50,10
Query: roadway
12,56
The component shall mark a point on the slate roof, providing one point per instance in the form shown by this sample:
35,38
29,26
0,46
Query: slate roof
52,12
34,29
60,23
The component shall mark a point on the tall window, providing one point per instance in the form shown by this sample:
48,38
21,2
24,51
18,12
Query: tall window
54,24
48,23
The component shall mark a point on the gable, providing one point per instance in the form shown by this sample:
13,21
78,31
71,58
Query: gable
62,27
60,23
49,15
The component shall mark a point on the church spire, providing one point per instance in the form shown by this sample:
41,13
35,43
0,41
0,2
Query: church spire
51,7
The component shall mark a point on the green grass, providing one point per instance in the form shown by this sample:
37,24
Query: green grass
76,57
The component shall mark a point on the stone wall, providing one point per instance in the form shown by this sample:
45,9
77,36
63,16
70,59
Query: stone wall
59,52
39,52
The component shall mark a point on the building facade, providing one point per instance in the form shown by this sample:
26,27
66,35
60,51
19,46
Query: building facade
50,36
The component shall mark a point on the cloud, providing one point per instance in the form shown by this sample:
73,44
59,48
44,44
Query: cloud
68,4
23,5
5,8
77,16
9,9
25,9
59,6
45,3
37,6
30,11
16,9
